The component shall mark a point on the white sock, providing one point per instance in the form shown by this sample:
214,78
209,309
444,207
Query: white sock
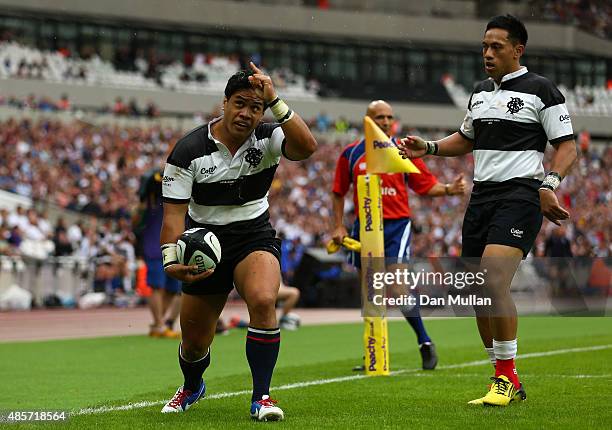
505,349
491,355
127,284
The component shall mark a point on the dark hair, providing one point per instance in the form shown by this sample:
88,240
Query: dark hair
238,81
517,32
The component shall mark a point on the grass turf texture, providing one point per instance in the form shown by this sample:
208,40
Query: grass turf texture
76,374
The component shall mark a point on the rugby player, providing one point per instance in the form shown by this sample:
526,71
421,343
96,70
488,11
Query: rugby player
510,118
219,175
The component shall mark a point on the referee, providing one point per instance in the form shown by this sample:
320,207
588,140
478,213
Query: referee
510,118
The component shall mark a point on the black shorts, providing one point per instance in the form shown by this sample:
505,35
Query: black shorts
513,223
237,240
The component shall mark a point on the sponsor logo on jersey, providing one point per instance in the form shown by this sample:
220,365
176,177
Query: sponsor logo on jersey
564,118
477,103
516,232
208,171
388,191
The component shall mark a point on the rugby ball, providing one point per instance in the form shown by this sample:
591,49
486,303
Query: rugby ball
199,246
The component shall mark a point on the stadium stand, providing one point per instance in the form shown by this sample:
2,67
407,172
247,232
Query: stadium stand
581,100
93,104
207,73
89,169
590,15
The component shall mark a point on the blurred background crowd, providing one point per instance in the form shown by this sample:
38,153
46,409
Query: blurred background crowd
96,171
88,106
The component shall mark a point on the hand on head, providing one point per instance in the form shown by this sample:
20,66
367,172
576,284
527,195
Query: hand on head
262,84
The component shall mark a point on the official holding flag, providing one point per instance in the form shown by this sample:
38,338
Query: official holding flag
383,157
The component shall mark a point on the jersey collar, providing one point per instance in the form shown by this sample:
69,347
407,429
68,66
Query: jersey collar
510,76
220,145
210,135
515,74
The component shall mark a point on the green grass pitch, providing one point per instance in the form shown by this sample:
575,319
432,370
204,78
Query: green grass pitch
566,389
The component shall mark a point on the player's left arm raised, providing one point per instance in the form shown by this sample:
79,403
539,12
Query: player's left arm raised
299,141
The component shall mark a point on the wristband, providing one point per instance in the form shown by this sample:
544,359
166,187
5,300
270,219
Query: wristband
431,148
169,254
280,110
273,102
551,181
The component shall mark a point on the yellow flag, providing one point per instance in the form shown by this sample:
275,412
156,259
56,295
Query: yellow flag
382,155
371,235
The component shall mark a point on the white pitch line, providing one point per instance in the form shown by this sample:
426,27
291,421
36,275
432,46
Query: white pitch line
577,376
145,404
523,375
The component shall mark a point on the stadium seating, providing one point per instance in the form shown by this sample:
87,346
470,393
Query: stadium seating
581,100
590,15
17,60
305,185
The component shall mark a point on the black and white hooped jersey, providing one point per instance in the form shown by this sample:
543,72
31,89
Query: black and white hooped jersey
510,125
219,188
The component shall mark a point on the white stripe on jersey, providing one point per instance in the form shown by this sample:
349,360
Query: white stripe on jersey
494,104
556,121
499,166
221,215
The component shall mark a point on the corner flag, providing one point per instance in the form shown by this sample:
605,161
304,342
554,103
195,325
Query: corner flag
382,155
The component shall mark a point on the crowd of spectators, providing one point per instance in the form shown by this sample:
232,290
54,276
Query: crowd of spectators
105,248
131,108
593,16
120,107
30,233
437,222
96,171
587,193
40,103
92,170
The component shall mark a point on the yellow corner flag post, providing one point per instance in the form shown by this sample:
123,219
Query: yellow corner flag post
382,155
376,337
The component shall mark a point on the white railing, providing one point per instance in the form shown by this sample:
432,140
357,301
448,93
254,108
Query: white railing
65,277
